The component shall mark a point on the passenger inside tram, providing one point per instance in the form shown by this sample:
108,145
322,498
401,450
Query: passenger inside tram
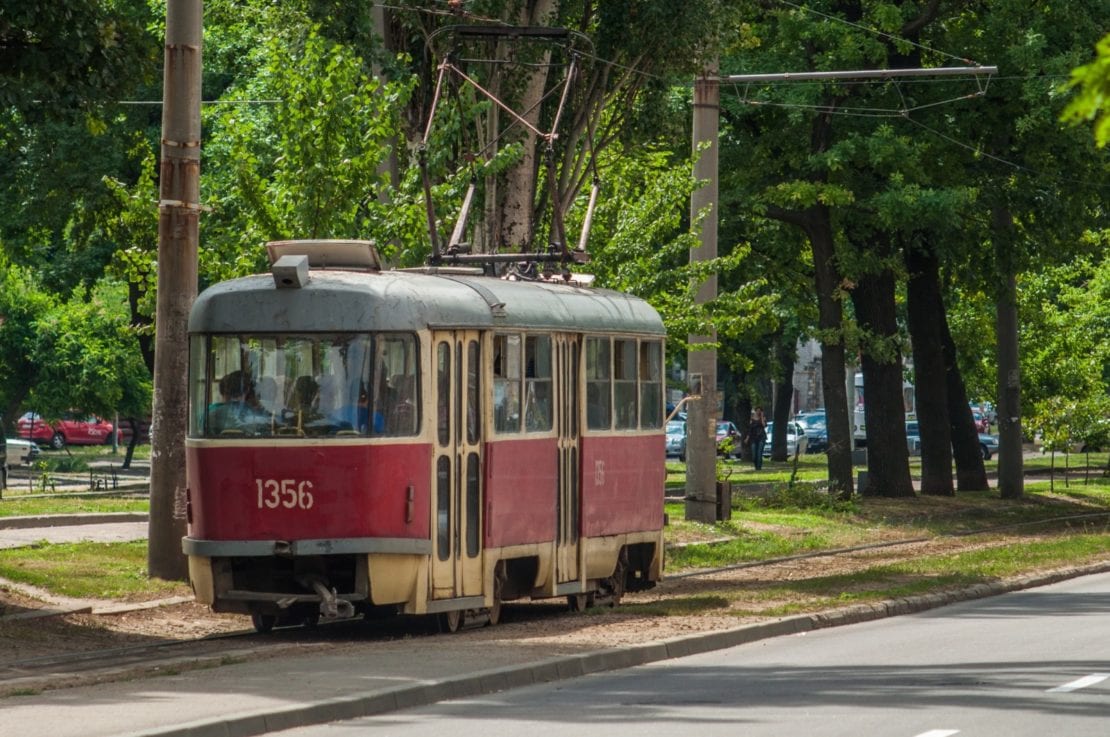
401,419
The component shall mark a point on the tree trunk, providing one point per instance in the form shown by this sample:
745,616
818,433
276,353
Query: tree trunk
925,311
1010,467
888,462
744,409
971,474
826,277
1010,464
519,193
783,395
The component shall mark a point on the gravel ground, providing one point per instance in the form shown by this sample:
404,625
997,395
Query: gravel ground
710,601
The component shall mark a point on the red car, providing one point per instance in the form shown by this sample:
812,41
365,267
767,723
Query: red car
72,429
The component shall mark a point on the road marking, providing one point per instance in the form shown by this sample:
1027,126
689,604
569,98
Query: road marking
1081,683
939,733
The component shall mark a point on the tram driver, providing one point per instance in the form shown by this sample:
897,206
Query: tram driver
238,412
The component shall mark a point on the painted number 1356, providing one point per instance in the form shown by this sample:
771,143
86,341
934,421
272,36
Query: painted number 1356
288,493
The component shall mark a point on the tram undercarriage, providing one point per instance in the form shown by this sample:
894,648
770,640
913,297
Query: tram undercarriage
305,589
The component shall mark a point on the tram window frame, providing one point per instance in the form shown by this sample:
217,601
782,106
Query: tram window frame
523,383
538,384
626,402
599,368
651,384
507,348
443,392
198,384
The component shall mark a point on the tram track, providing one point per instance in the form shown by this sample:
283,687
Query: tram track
168,656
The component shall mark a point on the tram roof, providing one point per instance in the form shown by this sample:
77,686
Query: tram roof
349,301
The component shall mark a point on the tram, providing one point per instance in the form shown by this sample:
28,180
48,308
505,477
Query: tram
428,441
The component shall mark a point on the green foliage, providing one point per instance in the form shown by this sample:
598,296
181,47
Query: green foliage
88,359
1065,313
812,497
61,58
22,302
1092,99
640,243
307,166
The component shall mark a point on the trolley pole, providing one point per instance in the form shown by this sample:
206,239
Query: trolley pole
178,237
701,363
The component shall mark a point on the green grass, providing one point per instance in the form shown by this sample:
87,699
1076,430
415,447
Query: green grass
86,570
13,506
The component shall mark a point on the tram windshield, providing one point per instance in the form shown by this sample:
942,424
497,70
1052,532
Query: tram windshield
262,386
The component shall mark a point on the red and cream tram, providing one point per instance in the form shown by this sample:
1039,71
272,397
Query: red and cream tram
427,441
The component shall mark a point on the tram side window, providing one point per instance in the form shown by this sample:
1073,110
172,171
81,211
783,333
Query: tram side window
598,372
538,395
651,384
397,391
506,383
198,384
624,384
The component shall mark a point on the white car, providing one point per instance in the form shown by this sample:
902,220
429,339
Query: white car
796,439
20,452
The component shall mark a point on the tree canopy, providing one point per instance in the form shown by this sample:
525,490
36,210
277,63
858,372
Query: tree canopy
877,217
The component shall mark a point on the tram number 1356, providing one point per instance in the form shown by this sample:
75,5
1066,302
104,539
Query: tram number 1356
288,493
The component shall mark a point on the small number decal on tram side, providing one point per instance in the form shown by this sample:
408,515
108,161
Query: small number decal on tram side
288,493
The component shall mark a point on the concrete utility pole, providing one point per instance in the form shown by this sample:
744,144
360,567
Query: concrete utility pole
178,237
701,416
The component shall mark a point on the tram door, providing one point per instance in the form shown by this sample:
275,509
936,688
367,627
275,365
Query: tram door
457,525
565,350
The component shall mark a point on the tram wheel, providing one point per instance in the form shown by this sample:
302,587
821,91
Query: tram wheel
451,621
494,611
498,587
579,602
263,623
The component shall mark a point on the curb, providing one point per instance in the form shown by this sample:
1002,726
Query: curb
68,520
424,693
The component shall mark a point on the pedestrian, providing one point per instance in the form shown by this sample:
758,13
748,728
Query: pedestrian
756,437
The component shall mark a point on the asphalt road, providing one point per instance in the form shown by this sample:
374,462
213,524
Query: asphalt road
1034,662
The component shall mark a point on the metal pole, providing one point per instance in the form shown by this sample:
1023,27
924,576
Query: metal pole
862,74
178,236
701,418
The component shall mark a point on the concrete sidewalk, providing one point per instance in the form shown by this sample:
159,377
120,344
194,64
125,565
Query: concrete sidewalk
18,532
222,696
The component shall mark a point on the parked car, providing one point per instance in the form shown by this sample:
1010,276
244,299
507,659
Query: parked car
988,444
72,429
816,430
20,452
726,431
676,440
796,439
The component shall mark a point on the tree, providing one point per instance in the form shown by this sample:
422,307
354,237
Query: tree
1092,100
1039,186
88,358
62,58
22,302
306,167
623,81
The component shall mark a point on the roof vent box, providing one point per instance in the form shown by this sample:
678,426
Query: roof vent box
329,254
